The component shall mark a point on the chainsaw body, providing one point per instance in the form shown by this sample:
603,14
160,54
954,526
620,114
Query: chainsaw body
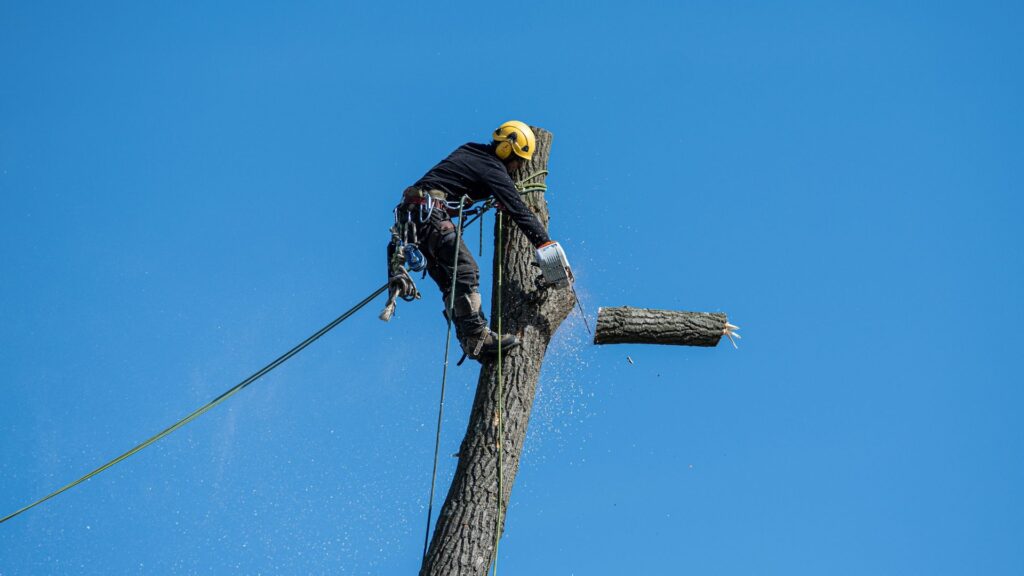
554,266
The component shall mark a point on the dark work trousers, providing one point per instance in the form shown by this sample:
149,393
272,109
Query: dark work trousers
438,240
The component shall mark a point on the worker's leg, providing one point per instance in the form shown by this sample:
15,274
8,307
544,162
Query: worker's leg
470,326
441,248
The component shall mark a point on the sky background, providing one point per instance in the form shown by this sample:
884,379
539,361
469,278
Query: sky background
188,190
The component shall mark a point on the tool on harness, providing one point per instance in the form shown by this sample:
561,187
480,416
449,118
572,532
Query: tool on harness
405,255
400,285
554,266
429,200
415,261
416,209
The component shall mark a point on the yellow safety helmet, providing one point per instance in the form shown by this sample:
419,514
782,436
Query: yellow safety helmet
514,137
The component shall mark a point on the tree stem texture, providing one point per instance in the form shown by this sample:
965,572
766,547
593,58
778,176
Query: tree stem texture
627,325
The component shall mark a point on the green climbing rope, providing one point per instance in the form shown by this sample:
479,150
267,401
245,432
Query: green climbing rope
524,186
209,405
449,314
500,255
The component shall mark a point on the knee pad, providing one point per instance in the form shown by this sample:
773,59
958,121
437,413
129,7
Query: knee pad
467,305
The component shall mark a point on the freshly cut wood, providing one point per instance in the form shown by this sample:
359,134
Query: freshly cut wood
628,325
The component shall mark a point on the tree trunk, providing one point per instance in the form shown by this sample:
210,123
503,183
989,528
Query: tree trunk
464,537
627,325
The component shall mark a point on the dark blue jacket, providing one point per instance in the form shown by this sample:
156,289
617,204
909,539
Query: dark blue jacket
474,170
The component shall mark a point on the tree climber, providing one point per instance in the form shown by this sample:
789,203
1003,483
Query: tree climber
423,224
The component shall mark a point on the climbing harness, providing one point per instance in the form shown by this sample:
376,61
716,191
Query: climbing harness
211,404
407,256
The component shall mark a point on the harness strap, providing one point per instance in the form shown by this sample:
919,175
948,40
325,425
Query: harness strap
434,198
425,202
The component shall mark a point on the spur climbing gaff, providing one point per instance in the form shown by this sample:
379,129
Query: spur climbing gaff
554,266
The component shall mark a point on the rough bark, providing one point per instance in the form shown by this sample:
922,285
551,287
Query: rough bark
627,325
464,537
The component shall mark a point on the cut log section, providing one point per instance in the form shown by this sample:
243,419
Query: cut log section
628,325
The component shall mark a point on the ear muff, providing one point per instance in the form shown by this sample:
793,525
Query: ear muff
514,137
504,149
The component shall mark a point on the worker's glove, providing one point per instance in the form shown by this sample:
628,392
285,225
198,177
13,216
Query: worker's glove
554,265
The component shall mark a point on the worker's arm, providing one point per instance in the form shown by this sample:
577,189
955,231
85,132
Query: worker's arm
505,192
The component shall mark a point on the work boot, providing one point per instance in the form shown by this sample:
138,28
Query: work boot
485,344
477,340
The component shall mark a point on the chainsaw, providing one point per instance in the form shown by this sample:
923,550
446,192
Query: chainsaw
554,266
556,273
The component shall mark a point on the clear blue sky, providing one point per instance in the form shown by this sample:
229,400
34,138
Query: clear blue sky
188,190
